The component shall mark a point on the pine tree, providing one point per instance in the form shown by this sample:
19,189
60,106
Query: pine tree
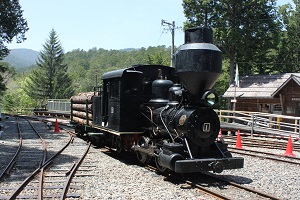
50,79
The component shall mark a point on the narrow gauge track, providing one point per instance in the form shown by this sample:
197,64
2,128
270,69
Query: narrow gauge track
261,143
23,187
31,155
266,155
207,179
6,170
204,182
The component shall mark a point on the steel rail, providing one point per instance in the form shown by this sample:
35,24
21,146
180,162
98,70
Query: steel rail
214,193
72,173
242,187
260,143
12,162
41,180
239,151
201,188
31,176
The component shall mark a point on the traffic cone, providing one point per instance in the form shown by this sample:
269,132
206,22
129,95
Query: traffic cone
56,130
219,139
289,148
238,144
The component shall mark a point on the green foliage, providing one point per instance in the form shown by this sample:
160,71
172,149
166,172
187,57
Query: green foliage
222,84
16,102
50,79
246,31
87,67
157,59
12,24
289,50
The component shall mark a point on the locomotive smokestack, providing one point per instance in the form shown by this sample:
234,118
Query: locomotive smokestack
198,35
198,63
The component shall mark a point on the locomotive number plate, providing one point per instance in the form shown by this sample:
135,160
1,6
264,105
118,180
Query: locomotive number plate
206,127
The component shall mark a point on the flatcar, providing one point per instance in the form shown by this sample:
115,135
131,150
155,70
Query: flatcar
163,114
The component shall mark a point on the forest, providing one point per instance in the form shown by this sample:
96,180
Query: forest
258,36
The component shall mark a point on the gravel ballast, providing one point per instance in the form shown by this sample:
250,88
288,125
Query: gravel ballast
115,179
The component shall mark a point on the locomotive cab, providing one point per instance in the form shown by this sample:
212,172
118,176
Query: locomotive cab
120,100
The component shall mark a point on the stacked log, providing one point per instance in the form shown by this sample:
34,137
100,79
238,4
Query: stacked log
82,121
82,106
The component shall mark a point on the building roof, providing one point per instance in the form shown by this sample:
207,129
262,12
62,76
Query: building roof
261,86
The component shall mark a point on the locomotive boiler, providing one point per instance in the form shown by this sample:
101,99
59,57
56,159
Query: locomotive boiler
163,113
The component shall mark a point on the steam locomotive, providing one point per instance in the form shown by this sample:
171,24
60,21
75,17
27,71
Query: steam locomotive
164,114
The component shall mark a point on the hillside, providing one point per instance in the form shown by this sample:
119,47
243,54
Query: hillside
20,58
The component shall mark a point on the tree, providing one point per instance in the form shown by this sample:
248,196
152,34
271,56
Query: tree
12,24
50,79
157,59
6,72
288,59
245,30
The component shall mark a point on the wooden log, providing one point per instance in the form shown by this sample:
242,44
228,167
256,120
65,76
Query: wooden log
82,121
82,97
82,107
82,115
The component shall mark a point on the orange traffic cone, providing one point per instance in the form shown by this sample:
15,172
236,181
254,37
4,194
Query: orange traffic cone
56,130
238,144
289,148
219,139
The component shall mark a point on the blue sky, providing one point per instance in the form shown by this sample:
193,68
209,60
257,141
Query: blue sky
108,24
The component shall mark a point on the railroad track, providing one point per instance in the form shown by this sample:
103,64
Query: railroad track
266,155
48,175
225,190
261,143
214,186
208,183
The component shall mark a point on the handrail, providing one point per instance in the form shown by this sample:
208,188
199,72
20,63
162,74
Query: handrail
282,125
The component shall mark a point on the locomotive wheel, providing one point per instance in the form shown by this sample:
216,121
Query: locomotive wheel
159,167
143,158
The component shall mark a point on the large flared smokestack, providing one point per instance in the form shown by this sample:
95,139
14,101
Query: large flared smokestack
198,63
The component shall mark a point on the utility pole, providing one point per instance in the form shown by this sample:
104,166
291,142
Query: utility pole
172,28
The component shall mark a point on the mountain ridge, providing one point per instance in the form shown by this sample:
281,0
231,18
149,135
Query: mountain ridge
20,58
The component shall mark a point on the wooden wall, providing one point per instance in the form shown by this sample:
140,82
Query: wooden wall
286,101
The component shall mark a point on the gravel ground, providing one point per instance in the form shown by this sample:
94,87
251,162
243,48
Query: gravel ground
114,179
117,180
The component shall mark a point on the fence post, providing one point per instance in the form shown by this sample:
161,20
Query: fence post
299,127
278,122
87,111
71,112
252,125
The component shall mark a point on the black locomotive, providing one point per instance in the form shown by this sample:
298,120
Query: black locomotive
160,112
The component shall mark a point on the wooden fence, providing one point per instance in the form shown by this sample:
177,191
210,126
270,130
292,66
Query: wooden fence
257,122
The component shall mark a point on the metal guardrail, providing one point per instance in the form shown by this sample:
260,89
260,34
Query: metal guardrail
282,125
59,105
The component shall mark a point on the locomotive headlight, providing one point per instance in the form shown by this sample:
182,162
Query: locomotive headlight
210,97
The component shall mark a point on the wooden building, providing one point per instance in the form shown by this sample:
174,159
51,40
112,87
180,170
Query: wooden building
278,94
